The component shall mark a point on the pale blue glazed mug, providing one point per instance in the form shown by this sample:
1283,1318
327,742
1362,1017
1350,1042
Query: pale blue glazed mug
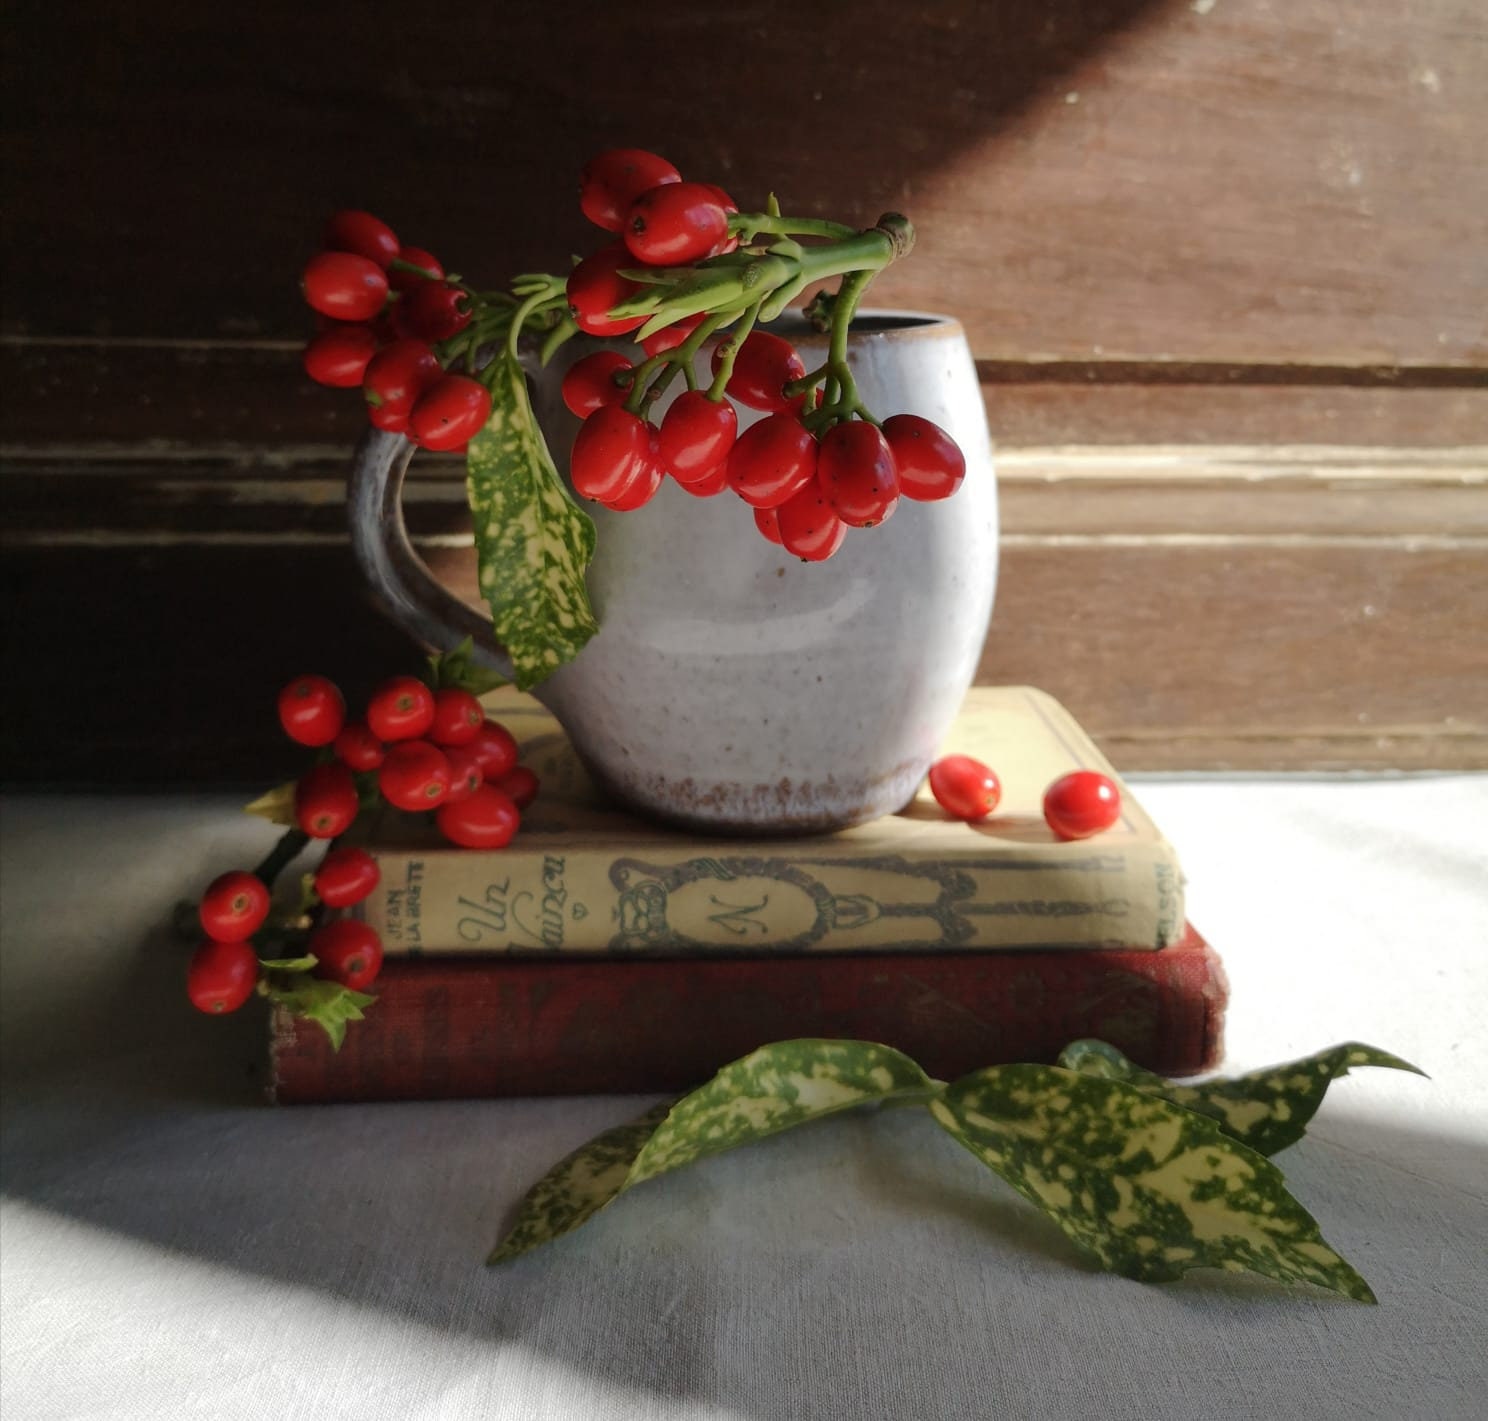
732,687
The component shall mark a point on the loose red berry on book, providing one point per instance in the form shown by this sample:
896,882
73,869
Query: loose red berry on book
670,337
433,311
415,776
675,224
348,952
696,435
362,233
767,520
763,367
808,526
495,748
221,976
590,383
311,710
338,357
344,286
458,718
466,775
487,820
346,876
234,906
930,463
595,286
964,787
326,800
397,375
520,785
429,269
1082,803
450,413
357,747
856,472
612,180
772,461
612,451
400,709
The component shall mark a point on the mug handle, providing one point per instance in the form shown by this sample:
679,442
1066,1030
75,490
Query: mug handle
399,579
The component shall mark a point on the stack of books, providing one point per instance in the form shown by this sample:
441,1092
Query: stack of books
601,953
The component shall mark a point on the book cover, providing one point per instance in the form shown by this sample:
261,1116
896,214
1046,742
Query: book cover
582,876
445,1027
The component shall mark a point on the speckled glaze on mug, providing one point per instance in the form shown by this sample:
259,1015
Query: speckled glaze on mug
732,687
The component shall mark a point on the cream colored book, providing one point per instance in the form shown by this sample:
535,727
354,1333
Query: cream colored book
583,877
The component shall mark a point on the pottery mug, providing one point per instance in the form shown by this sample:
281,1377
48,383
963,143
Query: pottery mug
732,687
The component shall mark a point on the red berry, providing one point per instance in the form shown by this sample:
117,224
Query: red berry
458,717
344,286
964,788
346,876
450,413
311,710
415,775
234,906
326,800
433,311
808,526
401,709
612,451
1082,803
767,520
487,820
590,383
396,376
495,748
675,224
930,463
612,180
696,435
595,286
427,262
347,951
713,482
393,421
643,489
519,785
465,773
357,748
670,337
772,461
764,366
856,472
221,976
338,357
362,233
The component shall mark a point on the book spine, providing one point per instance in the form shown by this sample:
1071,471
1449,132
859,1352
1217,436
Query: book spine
668,899
453,1027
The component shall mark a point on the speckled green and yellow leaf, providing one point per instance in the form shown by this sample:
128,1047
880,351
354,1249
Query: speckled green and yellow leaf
578,1186
772,1089
1149,1188
1267,1110
532,541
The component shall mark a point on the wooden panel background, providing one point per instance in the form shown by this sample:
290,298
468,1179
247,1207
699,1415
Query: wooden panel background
1222,263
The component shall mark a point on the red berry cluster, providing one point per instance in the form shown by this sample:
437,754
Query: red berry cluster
1076,806
416,748
807,479
387,308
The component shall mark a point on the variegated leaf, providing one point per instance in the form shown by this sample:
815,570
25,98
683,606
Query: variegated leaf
769,1090
532,541
772,1089
1267,1110
578,1186
1149,1188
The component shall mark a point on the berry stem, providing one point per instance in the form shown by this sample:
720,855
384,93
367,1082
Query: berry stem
728,352
291,841
747,225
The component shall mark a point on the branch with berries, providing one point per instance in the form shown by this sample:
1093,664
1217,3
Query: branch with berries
439,361
424,745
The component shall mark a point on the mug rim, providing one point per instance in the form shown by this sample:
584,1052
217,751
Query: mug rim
876,321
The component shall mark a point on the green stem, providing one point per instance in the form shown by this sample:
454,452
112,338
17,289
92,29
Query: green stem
291,841
747,225
728,352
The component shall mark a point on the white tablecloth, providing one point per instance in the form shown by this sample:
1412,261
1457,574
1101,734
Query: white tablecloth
172,1248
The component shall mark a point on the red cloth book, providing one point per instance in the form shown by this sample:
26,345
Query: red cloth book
447,1027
